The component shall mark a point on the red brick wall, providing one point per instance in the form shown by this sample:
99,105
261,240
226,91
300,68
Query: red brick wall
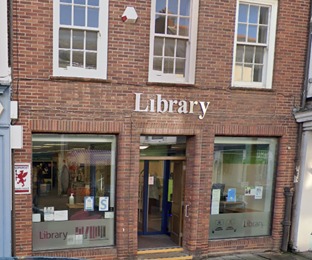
47,104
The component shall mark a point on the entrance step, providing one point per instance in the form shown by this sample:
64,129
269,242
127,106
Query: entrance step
163,254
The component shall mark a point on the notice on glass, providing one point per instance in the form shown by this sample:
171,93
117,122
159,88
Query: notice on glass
258,192
48,213
231,195
60,215
103,203
89,203
215,201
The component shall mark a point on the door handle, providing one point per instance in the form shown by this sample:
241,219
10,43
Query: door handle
186,211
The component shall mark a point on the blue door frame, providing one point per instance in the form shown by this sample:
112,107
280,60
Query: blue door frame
165,204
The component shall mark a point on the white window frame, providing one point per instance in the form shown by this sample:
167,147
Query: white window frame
5,73
101,71
267,76
159,77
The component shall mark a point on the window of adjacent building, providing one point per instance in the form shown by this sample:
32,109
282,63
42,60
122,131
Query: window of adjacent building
73,180
242,187
254,43
173,41
80,38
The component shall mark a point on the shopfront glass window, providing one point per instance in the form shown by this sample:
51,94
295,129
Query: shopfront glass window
242,187
73,190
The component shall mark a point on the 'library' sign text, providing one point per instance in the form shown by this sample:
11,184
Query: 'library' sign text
161,105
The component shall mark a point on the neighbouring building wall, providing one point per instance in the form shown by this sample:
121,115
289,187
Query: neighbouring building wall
5,150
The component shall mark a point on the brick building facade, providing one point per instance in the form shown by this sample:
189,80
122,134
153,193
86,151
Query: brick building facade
93,89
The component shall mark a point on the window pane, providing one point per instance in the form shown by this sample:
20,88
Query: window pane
168,65
64,38
79,16
253,14
157,64
264,15
242,189
249,53
184,27
238,72
169,47
93,2
173,6
91,41
65,1
239,53
93,17
263,30
160,24
78,59
90,60
247,73
257,73
180,67
161,6
158,46
64,59
241,33
181,48
73,180
242,13
171,25
252,33
259,55
81,2
65,14
185,7
78,39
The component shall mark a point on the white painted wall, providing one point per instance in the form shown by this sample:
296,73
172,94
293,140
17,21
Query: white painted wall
5,78
302,222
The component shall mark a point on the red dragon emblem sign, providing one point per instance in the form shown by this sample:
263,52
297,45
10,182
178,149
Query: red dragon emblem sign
22,177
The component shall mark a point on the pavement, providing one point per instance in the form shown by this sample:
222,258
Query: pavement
266,255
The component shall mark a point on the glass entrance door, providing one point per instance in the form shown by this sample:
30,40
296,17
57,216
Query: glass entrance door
153,202
161,192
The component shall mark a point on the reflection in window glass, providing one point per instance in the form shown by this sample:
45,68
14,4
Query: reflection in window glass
91,41
173,6
185,7
78,39
73,190
65,14
79,16
78,59
253,14
161,6
242,189
64,38
93,17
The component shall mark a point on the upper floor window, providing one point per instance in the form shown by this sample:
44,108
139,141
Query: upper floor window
173,41
80,38
254,43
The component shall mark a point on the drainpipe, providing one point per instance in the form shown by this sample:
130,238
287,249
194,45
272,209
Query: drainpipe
288,193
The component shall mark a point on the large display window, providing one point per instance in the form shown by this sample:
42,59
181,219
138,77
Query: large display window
73,190
242,187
